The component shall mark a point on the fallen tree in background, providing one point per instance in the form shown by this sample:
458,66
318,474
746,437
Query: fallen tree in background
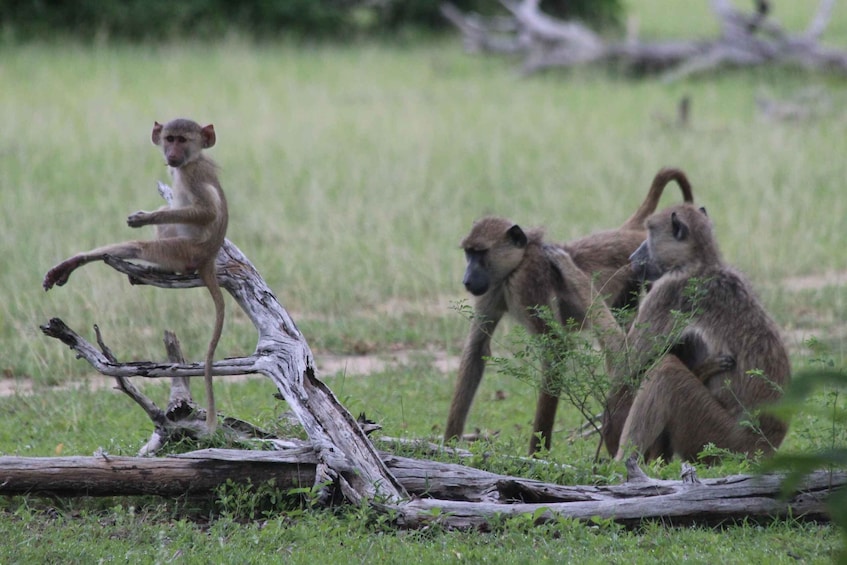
746,40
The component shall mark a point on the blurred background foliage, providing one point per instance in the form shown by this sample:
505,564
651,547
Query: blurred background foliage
301,20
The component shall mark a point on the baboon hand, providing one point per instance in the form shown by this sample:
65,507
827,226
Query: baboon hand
555,250
726,362
561,257
59,274
564,263
138,219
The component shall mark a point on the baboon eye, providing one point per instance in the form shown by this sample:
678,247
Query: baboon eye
169,138
680,230
476,255
181,139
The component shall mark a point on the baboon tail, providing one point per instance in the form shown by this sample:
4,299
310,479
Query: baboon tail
662,178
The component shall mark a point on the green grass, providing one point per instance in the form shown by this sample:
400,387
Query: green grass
198,531
352,174
149,534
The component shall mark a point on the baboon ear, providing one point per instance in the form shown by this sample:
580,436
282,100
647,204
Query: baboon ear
208,136
680,230
517,236
703,209
156,135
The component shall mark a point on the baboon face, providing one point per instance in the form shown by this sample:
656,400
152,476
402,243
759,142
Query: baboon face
182,140
670,244
643,266
493,250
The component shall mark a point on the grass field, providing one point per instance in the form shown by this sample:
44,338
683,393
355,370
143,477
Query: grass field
352,173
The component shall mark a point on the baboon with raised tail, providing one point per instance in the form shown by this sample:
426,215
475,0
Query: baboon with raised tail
508,270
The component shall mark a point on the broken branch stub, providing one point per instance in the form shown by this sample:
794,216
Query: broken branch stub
281,354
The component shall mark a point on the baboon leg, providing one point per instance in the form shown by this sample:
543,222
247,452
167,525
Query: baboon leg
60,274
672,400
158,251
545,415
618,405
661,448
471,369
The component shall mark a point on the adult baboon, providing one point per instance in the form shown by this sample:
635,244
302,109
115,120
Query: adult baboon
698,308
508,271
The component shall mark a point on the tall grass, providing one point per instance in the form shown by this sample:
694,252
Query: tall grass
353,173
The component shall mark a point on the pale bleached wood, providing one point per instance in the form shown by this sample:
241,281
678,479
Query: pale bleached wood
454,496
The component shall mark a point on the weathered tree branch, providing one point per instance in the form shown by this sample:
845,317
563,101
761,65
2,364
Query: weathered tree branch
182,418
281,354
746,39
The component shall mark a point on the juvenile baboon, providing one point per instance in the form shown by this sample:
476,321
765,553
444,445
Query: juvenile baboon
697,308
189,233
508,271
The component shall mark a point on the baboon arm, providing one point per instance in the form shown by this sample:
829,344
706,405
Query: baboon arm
618,403
599,317
198,215
471,369
646,340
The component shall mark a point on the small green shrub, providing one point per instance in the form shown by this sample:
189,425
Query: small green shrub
824,376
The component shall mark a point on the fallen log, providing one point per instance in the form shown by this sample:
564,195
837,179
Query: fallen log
451,495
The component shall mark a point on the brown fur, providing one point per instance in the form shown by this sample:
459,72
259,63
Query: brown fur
509,271
189,233
675,410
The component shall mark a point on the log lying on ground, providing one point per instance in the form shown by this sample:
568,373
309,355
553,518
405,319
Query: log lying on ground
747,39
347,457
452,495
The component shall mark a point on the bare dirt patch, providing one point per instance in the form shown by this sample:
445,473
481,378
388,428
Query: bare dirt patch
816,281
377,363
328,366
